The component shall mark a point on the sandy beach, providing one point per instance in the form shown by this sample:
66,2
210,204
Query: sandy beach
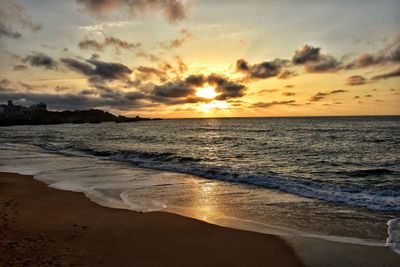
41,226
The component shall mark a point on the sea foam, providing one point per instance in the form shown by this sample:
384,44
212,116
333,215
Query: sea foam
393,241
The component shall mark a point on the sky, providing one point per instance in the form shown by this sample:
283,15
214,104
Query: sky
203,58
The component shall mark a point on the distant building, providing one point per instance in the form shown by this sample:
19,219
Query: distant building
11,109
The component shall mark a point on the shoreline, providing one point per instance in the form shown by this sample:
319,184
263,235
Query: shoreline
73,226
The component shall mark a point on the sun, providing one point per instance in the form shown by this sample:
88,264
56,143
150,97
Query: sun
206,92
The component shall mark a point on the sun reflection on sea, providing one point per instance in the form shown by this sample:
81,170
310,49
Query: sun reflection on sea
205,201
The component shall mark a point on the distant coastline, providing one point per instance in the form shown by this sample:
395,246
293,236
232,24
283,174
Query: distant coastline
38,114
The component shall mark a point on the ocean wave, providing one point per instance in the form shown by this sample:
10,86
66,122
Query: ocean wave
385,198
368,172
382,200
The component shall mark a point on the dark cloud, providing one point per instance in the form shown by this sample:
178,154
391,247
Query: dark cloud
388,55
98,71
314,61
227,89
74,101
13,14
319,96
274,103
174,90
100,95
184,91
19,67
4,31
262,70
391,74
356,80
306,54
88,92
196,80
78,66
174,10
109,41
38,59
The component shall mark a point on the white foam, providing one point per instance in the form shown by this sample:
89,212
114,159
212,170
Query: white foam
393,241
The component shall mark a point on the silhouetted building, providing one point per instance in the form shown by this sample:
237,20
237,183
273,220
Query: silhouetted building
11,109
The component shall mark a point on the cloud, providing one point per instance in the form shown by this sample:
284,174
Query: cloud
319,96
4,31
390,54
19,67
148,56
186,89
109,41
267,91
356,80
266,69
38,59
101,27
195,80
12,15
174,90
274,103
306,54
314,61
182,67
391,74
148,73
100,95
75,101
98,71
5,85
227,89
286,74
288,94
178,42
173,10
61,88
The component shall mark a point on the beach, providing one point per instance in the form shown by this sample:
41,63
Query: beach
41,226
47,227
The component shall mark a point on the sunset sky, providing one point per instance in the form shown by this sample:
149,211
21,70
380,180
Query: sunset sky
203,58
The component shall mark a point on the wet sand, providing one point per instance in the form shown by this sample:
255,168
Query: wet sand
40,226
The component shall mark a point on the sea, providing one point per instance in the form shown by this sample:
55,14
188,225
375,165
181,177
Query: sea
335,178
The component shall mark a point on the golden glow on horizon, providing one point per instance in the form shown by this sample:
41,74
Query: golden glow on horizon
215,104
206,92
